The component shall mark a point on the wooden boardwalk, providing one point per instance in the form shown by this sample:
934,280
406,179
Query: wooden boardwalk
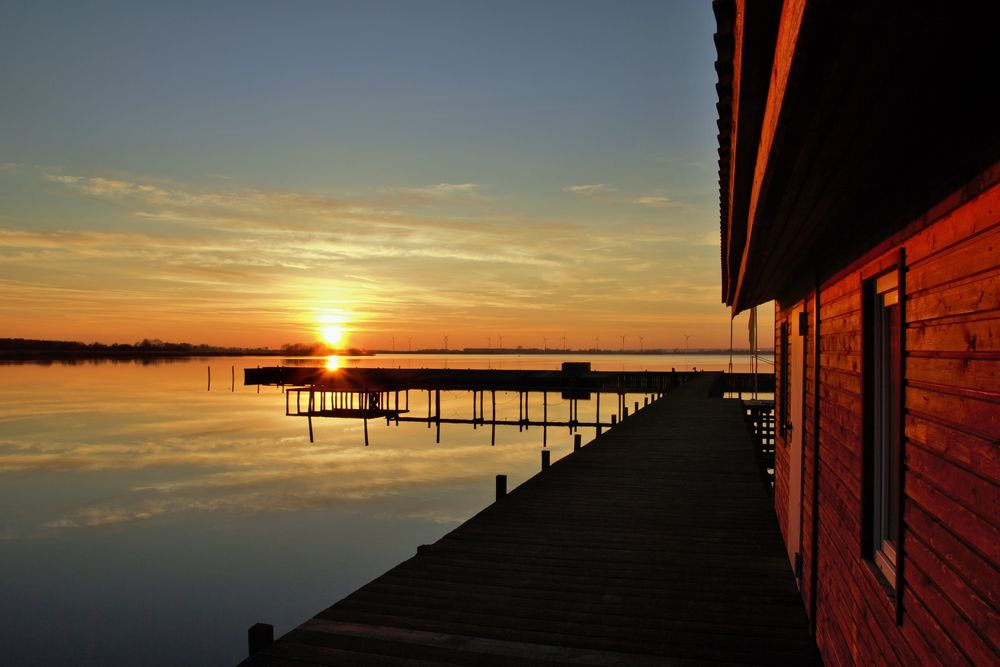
654,544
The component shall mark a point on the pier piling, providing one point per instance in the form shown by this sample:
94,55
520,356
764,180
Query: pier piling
260,636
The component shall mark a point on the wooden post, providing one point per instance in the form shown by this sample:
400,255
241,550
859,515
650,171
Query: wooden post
310,417
526,417
614,419
576,442
597,413
428,408
209,378
366,431
637,406
520,411
473,409
481,406
437,405
546,458
645,401
232,387
624,413
545,419
286,403
260,636
501,486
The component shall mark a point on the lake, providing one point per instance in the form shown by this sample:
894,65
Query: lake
146,518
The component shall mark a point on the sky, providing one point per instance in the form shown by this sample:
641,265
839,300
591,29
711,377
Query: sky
254,173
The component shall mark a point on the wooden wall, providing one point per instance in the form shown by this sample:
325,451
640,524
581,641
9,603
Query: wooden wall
951,512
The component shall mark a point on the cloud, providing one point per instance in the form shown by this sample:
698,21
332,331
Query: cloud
438,193
200,261
654,202
589,189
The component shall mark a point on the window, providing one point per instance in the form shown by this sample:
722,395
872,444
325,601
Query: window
784,404
882,329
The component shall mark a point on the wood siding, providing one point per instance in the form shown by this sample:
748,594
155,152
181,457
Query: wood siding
950,590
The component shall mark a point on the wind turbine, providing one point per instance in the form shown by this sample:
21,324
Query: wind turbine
446,342
545,344
623,343
564,341
687,339
641,338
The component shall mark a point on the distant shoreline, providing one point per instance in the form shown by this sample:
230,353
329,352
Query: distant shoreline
20,349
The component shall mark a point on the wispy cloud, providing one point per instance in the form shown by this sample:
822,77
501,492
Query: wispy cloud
654,202
438,193
215,257
589,189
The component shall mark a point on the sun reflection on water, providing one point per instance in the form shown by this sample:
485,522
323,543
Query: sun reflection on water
333,363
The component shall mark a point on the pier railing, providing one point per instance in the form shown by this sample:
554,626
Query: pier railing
759,415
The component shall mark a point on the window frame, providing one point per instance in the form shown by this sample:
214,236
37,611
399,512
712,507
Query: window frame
883,326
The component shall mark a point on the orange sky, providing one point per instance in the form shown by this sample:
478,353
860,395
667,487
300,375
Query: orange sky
527,174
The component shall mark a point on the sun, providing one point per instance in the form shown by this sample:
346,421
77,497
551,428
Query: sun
332,334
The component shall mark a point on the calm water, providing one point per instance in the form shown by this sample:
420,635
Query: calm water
147,520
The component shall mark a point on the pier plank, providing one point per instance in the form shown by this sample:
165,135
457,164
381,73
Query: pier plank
653,544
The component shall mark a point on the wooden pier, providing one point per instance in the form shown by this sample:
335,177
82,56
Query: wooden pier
574,378
653,544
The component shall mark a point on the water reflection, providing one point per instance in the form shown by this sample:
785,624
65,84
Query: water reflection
164,519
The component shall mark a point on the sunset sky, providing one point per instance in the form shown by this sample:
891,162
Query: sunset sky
248,173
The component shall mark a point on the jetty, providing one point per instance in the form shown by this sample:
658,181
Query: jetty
655,543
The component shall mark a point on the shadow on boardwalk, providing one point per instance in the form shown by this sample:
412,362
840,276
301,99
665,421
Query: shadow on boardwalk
654,544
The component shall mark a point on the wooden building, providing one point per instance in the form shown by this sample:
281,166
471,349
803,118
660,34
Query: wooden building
860,190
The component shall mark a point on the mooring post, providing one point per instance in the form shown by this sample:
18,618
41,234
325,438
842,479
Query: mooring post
545,419
260,636
597,413
232,387
527,419
546,453
209,378
501,486
493,429
366,431
520,412
576,442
